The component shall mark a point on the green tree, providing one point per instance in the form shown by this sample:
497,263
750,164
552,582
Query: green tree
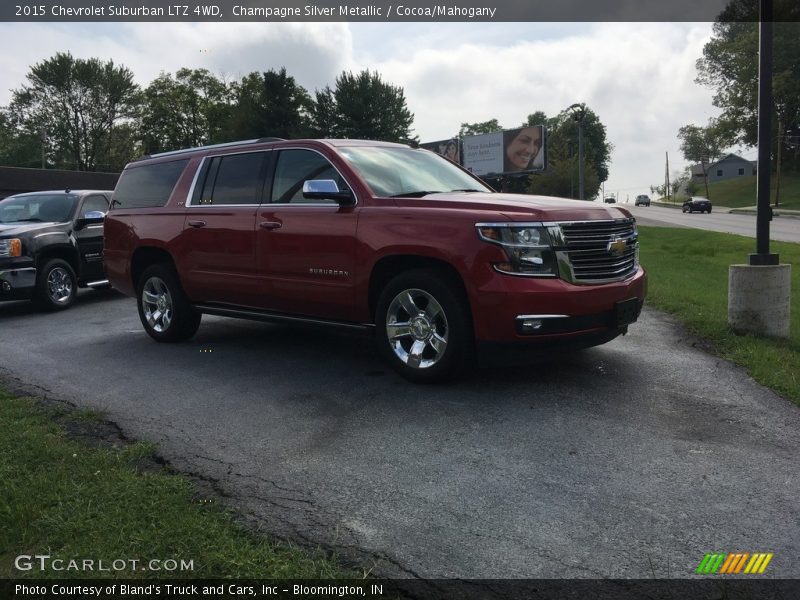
490,126
78,102
269,104
323,115
366,107
561,176
18,147
187,110
702,145
729,65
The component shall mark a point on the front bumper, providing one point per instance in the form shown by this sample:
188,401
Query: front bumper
555,311
17,284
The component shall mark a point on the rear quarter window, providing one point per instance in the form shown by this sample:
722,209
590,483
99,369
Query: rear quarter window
148,185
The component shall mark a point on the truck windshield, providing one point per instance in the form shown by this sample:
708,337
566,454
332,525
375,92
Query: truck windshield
391,171
43,208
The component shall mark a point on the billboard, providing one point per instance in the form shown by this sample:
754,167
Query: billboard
448,148
509,152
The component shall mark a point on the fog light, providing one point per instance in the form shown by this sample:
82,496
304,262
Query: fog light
6,286
529,325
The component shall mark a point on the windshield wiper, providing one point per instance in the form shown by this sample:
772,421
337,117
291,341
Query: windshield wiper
417,194
32,219
467,190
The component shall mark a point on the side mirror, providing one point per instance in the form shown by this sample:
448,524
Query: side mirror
326,189
91,217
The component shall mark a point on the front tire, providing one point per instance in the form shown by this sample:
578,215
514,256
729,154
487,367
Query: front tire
56,285
164,309
423,327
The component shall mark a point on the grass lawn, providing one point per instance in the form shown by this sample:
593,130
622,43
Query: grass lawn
688,272
64,498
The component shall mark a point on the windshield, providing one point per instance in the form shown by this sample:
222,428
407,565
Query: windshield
37,208
391,171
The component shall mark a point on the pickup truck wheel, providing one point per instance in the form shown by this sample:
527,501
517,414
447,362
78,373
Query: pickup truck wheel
56,285
164,310
422,326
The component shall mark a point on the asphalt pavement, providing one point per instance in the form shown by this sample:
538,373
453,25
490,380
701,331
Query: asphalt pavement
782,229
633,459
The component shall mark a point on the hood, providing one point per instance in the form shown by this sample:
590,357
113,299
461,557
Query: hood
12,229
521,207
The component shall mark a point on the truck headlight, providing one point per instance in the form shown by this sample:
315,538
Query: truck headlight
10,248
527,247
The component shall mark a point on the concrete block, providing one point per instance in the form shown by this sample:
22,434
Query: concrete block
759,299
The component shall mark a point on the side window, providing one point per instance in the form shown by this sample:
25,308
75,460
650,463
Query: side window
94,202
234,179
296,167
149,185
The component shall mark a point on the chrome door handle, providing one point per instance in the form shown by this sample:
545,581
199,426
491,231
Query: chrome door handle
269,225
197,224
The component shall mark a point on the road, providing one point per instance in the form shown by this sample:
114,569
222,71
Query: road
783,229
629,460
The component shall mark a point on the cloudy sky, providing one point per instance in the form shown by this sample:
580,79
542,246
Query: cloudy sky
639,78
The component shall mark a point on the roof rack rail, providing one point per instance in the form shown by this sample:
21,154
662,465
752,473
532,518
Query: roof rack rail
212,146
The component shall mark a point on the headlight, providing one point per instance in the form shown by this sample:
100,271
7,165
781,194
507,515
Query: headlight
527,247
10,248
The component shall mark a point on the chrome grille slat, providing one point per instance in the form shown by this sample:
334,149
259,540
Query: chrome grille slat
585,246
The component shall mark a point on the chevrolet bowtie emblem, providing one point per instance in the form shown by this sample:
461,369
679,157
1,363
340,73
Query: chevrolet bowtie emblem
617,247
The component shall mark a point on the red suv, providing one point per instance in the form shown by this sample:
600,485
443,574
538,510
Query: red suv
368,235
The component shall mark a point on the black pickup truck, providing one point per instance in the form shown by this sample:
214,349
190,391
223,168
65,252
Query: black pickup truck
50,244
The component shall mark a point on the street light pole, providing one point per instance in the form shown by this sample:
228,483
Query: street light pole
578,111
763,214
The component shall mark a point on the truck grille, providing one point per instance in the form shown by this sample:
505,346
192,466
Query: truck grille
597,251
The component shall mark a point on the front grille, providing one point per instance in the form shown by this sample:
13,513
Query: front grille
598,251
5,248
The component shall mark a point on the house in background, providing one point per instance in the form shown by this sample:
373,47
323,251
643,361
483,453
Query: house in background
730,167
16,180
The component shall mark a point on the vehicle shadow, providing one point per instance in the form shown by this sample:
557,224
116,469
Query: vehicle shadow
86,298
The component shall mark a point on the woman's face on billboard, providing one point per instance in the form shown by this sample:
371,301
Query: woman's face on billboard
524,147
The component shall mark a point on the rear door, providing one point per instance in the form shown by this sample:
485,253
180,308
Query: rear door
306,249
219,230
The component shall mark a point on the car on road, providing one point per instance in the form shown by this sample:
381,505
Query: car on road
371,236
610,200
50,244
642,200
697,204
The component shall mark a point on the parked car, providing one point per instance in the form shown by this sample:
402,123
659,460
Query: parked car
373,236
610,200
698,204
642,200
50,244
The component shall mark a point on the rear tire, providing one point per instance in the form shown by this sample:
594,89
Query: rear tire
56,285
164,309
423,326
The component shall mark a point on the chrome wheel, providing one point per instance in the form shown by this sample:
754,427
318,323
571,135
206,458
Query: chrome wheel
157,304
59,285
416,327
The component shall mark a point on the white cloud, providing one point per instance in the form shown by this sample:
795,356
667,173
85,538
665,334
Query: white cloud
311,52
639,78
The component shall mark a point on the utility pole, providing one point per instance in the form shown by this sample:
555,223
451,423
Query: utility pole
43,139
778,158
666,180
759,293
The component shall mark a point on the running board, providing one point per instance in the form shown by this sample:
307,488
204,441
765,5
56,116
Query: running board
258,315
100,283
